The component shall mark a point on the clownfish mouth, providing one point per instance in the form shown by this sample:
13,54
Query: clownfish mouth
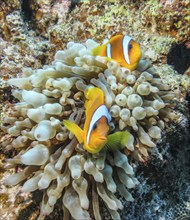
98,144
102,138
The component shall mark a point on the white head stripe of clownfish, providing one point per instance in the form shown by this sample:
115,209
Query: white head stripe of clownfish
108,50
100,112
125,44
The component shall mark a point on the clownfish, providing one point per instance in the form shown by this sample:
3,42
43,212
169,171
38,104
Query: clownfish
96,126
121,48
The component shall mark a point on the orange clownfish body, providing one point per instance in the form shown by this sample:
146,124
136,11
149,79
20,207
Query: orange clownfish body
96,127
121,48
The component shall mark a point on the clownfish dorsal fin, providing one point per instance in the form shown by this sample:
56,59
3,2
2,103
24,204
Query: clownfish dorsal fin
90,111
75,129
95,98
91,95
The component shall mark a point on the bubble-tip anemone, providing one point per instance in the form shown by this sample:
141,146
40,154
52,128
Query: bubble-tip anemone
139,106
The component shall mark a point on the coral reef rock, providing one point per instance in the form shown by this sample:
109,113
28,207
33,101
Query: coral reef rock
51,158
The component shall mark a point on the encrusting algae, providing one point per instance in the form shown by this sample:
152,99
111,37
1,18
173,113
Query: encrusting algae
137,105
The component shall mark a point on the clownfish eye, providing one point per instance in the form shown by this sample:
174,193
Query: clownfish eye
94,126
130,46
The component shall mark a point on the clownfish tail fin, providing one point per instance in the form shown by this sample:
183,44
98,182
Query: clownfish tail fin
75,129
97,50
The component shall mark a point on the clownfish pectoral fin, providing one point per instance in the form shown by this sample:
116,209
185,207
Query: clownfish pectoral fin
120,140
75,129
114,141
